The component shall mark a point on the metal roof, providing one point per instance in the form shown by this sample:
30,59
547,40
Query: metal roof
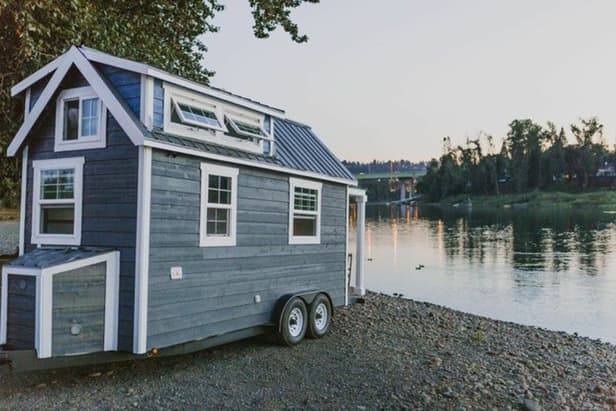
297,147
51,257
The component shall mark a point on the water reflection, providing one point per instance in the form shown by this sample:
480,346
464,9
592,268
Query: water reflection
551,268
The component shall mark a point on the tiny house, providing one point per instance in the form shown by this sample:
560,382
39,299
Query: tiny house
160,215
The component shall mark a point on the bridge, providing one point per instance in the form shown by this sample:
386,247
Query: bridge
380,184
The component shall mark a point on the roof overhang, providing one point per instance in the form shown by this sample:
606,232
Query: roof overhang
273,167
130,65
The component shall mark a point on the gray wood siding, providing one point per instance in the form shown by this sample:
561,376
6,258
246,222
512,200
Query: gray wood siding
21,304
217,292
109,195
79,299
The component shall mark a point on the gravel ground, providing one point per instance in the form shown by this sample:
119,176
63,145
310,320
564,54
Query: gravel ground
385,353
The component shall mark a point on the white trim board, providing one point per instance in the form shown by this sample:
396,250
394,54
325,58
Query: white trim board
125,119
231,160
140,318
22,209
43,340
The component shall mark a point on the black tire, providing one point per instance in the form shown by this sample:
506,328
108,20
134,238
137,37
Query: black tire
320,316
294,322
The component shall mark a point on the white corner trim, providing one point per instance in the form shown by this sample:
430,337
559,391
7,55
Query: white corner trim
231,160
43,339
347,279
220,241
75,163
22,208
140,319
39,106
3,304
146,110
82,143
296,182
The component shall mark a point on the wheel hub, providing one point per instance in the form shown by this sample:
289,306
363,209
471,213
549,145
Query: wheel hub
296,322
320,317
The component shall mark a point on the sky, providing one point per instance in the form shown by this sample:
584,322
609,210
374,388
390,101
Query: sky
389,79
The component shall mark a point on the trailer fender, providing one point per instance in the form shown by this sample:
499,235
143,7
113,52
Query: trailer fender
307,296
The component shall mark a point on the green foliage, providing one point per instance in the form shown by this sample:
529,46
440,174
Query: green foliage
164,33
532,157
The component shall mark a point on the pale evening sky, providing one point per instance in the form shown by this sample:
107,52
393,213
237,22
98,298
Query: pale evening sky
388,79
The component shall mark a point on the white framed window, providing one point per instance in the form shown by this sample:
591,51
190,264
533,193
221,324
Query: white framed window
81,120
201,117
304,211
57,201
218,223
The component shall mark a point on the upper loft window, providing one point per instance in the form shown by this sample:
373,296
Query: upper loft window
194,115
80,120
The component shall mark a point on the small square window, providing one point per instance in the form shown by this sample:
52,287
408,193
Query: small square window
304,212
80,120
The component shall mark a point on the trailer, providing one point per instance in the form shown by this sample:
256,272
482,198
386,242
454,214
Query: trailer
161,216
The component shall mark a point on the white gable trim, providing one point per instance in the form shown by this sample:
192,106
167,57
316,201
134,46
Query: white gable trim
74,56
122,116
36,76
40,105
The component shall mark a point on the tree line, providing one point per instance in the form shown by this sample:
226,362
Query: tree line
164,33
530,157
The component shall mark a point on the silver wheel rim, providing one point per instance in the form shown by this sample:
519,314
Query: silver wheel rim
320,317
296,322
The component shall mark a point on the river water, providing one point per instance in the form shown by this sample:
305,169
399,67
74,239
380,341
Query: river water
549,268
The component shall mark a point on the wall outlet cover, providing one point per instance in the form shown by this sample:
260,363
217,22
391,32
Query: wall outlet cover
176,273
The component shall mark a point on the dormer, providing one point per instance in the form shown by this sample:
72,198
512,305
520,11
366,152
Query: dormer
191,114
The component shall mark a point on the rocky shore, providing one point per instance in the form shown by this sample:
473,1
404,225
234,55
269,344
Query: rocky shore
386,353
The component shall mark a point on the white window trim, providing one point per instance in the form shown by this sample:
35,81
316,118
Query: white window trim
82,143
43,328
221,241
296,182
202,132
57,239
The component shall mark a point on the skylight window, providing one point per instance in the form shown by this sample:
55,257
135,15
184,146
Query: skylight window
204,117
243,129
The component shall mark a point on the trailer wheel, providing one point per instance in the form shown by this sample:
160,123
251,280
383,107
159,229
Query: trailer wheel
294,322
320,317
